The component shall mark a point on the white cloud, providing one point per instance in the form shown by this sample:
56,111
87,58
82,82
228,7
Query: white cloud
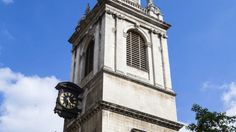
229,98
206,85
184,130
7,2
228,93
211,86
28,103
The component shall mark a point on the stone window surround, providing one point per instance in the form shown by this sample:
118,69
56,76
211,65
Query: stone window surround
85,44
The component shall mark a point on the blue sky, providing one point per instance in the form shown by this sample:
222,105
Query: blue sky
202,45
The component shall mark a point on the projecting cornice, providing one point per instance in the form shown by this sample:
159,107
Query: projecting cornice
123,5
103,105
138,11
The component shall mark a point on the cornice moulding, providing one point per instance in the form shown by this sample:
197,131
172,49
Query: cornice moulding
100,8
103,105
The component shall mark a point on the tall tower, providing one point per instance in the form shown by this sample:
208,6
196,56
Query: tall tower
120,59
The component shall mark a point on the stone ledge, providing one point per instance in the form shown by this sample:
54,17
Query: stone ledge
103,105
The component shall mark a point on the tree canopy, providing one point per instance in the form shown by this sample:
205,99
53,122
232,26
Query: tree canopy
207,121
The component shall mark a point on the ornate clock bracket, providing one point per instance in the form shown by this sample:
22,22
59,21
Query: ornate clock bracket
68,100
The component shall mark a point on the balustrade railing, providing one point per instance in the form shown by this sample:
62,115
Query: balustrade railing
133,4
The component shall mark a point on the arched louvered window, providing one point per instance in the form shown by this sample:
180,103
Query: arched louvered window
136,51
89,58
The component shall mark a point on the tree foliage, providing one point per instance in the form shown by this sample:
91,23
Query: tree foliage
207,121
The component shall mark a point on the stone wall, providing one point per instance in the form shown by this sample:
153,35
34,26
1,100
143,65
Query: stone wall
138,96
113,122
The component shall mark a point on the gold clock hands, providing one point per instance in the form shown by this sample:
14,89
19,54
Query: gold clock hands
68,100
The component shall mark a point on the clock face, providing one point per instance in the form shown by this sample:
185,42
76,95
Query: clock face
68,100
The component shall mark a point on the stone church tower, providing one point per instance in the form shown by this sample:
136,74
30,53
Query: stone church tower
120,59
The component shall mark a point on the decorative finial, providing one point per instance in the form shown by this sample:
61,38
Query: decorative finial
85,13
150,2
153,10
87,9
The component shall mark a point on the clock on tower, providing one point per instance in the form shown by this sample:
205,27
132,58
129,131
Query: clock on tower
68,100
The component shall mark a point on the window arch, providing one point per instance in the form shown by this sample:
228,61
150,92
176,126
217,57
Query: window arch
89,58
136,51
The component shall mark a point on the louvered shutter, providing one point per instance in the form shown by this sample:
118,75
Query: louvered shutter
136,51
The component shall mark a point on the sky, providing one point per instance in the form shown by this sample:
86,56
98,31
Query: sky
35,55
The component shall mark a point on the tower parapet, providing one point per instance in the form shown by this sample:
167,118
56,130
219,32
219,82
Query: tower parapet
150,9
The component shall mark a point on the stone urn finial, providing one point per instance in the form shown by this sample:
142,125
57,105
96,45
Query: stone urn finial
150,2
